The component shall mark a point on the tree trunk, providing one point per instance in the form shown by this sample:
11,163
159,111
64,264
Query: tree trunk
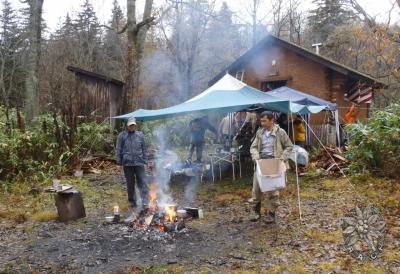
136,39
32,77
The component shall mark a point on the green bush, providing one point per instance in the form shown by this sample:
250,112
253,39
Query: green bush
32,153
375,146
48,147
94,138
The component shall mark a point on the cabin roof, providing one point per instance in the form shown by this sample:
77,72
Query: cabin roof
270,40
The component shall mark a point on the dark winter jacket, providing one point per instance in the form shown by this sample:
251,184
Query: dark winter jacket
198,128
131,149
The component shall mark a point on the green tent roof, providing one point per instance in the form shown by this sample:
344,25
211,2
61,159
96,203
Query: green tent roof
227,95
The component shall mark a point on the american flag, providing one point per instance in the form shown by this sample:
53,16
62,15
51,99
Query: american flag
360,94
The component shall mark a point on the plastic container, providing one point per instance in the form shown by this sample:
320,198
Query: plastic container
271,174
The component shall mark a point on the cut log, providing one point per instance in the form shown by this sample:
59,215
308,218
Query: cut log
341,158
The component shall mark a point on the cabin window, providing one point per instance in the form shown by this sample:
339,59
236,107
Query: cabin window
270,85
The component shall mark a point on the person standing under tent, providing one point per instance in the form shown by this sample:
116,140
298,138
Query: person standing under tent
226,131
283,121
131,154
198,129
270,141
299,132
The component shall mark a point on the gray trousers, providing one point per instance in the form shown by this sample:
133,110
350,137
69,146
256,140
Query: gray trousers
199,151
272,196
135,175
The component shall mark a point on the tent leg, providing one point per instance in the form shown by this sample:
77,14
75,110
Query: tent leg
212,169
297,176
233,166
308,135
337,128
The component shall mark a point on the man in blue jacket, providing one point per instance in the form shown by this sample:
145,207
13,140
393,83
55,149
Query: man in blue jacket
131,154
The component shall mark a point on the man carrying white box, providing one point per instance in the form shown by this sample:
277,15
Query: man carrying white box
270,142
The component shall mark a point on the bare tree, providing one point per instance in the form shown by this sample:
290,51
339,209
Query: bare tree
136,32
32,64
188,22
256,22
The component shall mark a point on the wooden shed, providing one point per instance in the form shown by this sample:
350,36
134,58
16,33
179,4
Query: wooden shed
99,97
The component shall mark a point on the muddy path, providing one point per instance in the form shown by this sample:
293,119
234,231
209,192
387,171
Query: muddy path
225,241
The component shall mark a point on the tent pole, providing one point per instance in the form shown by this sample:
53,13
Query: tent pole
308,136
337,128
297,171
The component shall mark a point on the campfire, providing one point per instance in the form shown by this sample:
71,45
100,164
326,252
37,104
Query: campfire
159,215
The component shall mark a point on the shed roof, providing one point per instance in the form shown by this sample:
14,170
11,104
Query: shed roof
98,76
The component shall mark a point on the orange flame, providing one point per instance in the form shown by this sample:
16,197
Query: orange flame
153,197
116,209
170,213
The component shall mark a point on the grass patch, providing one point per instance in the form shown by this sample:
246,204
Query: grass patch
17,215
368,268
318,235
44,216
225,199
335,184
163,269
391,256
18,205
310,194
327,267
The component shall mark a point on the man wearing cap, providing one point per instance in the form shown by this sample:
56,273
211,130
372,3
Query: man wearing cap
131,154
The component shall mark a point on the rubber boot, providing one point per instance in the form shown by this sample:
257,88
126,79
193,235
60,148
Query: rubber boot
256,215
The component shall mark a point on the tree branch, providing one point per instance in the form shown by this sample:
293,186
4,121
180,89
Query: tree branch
147,21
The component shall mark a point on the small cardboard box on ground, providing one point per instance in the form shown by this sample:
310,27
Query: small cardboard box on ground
271,174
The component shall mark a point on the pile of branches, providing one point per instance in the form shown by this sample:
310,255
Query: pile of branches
331,160
96,164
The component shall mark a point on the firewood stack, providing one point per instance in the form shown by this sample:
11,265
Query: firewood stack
330,160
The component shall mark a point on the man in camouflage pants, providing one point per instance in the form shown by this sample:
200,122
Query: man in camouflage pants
270,141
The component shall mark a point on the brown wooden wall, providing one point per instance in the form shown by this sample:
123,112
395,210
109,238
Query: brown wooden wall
97,100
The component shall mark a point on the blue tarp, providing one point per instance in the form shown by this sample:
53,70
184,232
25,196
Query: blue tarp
301,98
225,96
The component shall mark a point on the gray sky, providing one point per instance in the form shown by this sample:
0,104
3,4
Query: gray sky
55,10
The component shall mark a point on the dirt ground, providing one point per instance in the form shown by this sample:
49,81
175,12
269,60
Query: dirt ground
225,241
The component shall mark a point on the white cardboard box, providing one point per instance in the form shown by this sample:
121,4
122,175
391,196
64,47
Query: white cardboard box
271,174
